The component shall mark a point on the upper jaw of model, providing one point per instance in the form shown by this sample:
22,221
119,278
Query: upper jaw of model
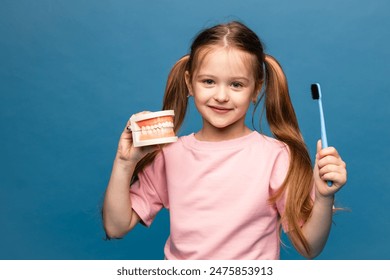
153,128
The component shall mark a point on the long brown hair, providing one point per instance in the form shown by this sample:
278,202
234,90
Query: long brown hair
280,114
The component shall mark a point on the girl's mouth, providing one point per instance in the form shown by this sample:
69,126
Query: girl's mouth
220,110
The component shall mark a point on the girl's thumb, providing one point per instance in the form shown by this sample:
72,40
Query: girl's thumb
319,146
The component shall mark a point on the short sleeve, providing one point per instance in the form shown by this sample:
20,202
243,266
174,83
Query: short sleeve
149,193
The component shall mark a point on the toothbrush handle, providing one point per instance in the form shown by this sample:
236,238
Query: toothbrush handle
324,139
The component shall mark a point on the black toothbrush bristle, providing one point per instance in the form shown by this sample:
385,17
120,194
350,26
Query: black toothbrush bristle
315,94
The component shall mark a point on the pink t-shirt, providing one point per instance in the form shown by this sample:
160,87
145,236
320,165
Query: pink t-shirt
217,195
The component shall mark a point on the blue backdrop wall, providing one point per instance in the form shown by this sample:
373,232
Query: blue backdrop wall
72,72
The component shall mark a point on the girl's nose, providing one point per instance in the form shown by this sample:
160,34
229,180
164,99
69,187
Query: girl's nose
221,95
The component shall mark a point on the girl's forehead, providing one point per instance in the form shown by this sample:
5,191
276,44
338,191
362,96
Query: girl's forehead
233,59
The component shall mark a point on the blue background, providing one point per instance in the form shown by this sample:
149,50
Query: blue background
72,72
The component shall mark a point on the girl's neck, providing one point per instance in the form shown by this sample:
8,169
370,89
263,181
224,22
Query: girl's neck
215,134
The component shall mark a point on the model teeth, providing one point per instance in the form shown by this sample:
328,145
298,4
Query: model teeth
158,128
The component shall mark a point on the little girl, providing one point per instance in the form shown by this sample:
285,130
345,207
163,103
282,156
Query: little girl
228,189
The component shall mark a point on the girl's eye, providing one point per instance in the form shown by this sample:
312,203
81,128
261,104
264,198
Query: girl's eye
208,82
237,84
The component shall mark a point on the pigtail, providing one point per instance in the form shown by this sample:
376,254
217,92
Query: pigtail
176,92
175,98
284,126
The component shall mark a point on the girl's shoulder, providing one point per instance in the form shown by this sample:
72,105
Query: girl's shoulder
271,141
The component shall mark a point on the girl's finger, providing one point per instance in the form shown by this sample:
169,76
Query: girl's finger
127,128
329,151
330,159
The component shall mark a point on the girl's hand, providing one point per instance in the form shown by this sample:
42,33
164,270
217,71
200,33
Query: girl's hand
127,152
328,167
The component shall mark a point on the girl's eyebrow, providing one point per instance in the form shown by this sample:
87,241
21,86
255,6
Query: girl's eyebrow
200,76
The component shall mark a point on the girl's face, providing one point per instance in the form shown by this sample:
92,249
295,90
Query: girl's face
223,87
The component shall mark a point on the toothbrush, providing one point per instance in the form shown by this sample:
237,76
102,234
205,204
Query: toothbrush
316,95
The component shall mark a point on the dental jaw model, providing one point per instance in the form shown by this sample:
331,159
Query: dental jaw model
153,128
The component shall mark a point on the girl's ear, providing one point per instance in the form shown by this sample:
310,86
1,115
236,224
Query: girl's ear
188,83
256,93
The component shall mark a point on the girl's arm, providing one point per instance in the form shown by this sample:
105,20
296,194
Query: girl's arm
118,215
328,167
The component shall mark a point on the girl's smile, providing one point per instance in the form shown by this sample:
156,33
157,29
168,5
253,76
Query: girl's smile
220,109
